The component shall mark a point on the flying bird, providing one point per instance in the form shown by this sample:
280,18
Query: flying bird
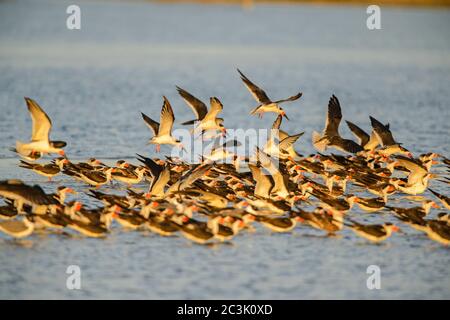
162,132
265,104
330,135
206,120
40,140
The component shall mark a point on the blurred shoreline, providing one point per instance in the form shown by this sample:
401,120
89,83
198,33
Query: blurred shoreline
249,3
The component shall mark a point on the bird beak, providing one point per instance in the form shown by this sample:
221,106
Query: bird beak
62,153
435,205
284,115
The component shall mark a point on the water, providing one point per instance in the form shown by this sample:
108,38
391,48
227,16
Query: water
94,82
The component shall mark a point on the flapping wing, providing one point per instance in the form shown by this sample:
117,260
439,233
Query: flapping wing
216,108
293,98
41,122
277,123
382,132
362,136
195,104
167,118
152,124
334,117
256,91
154,168
289,141
411,165
263,182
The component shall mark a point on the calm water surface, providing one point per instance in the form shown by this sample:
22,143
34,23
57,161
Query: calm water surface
94,82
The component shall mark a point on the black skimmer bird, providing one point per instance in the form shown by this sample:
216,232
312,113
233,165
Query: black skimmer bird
160,174
92,177
222,232
17,228
47,170
129,177
370,204
162,132
205,120
161,224
279,190
320,219
196,231
221,152
40,140
88,229
289,144
279,224
418,177
438,231
265,104
127,218
189,178
23,194
330,136
368,142
386,139
373,232
444,199
284,149
264,182
110,199
421,211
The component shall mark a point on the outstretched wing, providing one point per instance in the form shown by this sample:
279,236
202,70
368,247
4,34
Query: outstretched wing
256,91
41,122
359,133
334,117
167,118
293,98
195,104
216,108
154,168
277,123
152,124
382,132
289,141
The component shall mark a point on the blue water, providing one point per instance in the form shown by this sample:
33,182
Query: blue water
94,82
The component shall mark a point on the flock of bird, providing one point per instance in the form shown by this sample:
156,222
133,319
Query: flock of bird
216,199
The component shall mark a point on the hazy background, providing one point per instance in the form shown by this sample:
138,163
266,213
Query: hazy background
94,82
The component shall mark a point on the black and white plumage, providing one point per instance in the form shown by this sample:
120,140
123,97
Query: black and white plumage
22,193
265,103
160,174
40,136
162,131
205,119
330,136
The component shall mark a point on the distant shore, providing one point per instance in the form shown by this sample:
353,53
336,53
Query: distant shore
427,3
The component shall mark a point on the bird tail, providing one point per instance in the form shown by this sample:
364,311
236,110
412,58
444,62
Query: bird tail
319,142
